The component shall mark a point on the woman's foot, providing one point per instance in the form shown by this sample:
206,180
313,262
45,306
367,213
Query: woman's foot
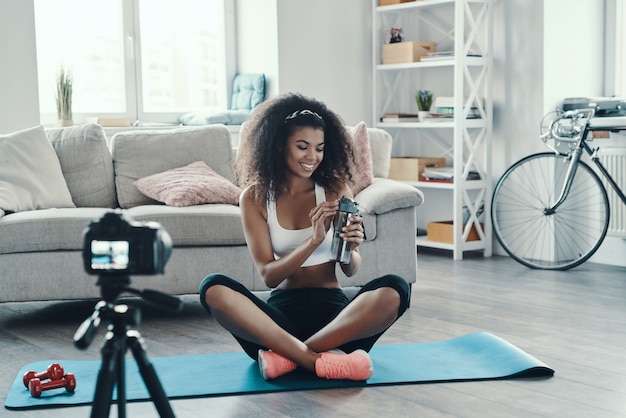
354,366
273,365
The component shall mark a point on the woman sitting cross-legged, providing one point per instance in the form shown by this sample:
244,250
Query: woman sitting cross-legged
293,163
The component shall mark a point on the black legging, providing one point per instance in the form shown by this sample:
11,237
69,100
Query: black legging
303,312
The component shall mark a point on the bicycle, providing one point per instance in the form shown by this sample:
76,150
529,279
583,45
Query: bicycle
550,210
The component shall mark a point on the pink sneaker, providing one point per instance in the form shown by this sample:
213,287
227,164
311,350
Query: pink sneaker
354,366
273,365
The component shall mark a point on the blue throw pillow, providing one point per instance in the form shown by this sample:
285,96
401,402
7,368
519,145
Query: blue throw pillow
248,91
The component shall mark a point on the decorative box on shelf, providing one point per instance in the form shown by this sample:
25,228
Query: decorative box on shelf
390,2
410,51
412,168
444,232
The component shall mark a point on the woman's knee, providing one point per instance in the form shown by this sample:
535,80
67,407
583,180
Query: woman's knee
387,302
400,285
213,287
397,291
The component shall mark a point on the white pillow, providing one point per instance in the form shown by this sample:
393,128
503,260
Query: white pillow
30,173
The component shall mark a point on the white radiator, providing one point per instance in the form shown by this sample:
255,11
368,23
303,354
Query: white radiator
614,159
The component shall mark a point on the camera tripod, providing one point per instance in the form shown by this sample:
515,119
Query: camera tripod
119,338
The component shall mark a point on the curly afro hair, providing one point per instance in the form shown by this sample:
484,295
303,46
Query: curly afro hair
260,161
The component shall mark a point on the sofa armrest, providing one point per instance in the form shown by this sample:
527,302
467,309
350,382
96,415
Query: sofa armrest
385,195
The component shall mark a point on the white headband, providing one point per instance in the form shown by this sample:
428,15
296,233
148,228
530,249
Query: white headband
303,112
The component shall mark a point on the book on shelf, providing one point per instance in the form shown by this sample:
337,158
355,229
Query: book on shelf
448,112
429,180
444,107
439,173
399,117
445,174
443,55
389,119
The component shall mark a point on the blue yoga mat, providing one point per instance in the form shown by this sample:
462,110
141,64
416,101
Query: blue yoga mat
477,356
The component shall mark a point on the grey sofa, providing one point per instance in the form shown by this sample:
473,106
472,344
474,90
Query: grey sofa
40,250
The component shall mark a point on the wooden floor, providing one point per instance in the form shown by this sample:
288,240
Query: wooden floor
574,321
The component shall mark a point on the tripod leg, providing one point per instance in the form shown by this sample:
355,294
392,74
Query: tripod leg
107,377
149,375
121,378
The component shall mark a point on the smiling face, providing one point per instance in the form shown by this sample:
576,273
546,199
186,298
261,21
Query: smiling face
304,151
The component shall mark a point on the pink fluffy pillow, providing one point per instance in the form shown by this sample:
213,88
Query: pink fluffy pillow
363,171
193,184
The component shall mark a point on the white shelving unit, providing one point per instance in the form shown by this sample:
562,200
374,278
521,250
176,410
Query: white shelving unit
464,27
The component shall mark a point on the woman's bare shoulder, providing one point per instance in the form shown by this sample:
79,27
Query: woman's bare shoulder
339,190
248,201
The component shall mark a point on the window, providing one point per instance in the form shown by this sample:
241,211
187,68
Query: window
615,52
148,60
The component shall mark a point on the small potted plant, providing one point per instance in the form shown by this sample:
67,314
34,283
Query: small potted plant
424,100
64,97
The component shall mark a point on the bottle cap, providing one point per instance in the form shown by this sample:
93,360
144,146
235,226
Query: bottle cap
348,205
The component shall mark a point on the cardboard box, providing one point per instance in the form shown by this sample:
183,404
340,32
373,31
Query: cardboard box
443,232
412,168
401,52
388,2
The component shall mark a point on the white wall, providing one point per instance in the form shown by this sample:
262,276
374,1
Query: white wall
324,51
317,48
19,97
313,48
540,58
517,81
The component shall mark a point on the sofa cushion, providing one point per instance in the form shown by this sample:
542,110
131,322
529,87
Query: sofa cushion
214,224
138,154
62,229
30,173
86,164
193,184
46,229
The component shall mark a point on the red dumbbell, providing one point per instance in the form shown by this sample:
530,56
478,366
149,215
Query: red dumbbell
53,372
36,386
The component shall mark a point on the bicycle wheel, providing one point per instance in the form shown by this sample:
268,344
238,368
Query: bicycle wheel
558,241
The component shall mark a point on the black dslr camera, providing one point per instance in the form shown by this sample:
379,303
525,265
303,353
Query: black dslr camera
118,245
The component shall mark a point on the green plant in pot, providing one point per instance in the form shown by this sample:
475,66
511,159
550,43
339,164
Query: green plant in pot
64,97
424,100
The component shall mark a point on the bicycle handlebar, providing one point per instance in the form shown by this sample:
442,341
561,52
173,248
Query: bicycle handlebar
568,126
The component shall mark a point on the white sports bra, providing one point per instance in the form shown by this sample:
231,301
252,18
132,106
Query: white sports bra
285,241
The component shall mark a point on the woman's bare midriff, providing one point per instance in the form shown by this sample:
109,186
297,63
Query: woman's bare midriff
321,275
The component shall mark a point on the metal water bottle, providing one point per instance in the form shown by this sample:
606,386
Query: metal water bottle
340,250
